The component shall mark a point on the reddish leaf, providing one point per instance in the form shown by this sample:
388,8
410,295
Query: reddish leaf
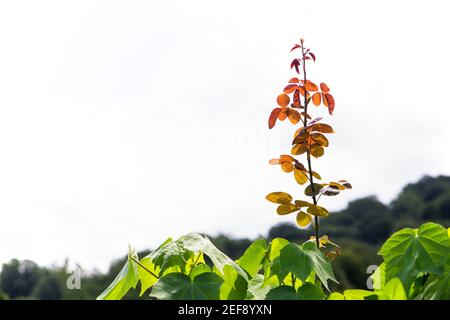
283,100
324,88
273,117
330,102
294,80
313,56
297,98
295,47
295,64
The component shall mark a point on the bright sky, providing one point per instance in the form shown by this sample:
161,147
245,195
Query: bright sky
125,122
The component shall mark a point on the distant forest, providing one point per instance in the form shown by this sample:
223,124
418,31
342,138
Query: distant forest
359,229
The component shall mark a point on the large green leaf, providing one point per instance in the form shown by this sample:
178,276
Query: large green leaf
234,286
170,254
409,252
251,260
196,243
258,287
306,292
127,278
438,288
178,286
147,279
301,260
393,290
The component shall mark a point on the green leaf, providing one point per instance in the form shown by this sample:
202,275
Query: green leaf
336,296
196,243
309,291
282,293
234,286
170,254
438,288
356,294
258,287
304,259
251,260
393,290
275,247
409,252
127,278
199,269
178,286
306,292
146,278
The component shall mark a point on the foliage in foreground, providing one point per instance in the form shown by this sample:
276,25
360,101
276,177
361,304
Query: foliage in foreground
416,266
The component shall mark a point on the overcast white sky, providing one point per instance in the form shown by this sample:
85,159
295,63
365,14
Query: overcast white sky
125,122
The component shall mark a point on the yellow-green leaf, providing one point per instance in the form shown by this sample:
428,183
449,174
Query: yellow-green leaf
286,208
279,197
300,176
299,149
303,219
316,175
317,151
317,211
301,203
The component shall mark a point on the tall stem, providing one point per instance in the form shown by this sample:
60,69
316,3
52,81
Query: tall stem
308,153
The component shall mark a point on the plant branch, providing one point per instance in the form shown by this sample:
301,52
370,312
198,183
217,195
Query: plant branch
308,153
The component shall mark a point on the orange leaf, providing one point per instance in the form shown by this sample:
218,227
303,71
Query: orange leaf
310,86
320,139
301,90
294,80
273,117
330,102
322,127
293,115
324,88
290,88
283,114
287,166
286,157
316,99
283,100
